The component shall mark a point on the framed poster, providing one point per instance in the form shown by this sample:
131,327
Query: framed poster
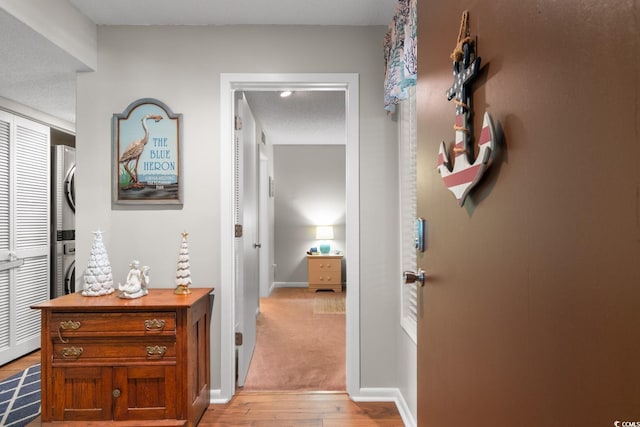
146,144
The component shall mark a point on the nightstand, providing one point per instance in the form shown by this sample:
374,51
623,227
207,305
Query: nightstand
325,272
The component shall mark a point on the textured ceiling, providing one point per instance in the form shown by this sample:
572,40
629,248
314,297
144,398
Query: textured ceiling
305,117
36,73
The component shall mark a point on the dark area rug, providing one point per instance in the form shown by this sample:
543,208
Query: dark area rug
20,398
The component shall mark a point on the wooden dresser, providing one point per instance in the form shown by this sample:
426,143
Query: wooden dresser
325,272
114,361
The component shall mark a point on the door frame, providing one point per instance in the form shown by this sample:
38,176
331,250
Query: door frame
264,238
229,83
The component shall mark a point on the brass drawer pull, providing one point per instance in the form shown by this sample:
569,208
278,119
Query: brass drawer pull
69,324
72,352
154,324
156,350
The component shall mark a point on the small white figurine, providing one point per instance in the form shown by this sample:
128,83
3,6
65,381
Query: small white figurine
145,278
137,282
98,280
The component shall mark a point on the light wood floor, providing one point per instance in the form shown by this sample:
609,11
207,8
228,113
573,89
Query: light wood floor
274,409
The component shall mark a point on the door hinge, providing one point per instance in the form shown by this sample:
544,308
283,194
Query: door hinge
238,338
238,123
238,230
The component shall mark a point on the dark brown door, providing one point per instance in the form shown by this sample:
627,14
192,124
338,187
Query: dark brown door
529,315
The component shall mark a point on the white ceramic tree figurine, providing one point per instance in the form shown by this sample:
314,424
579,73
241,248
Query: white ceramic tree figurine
183,271
98,279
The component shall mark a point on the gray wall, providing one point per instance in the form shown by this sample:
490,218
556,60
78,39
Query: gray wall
181,66
310,191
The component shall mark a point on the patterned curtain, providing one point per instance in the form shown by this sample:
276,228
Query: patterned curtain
400,54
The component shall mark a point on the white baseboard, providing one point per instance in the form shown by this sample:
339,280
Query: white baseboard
387,395
215,397
290,284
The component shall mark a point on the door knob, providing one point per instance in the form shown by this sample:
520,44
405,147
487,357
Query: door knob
257,245
411,277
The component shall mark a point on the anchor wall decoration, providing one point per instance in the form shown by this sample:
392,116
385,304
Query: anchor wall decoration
461,175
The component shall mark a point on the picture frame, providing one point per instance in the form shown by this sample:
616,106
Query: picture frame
146,159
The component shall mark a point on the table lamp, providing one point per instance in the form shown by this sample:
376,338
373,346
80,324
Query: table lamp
324,233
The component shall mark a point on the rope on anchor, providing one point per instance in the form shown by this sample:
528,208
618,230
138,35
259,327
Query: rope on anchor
462,128
464,36
460,103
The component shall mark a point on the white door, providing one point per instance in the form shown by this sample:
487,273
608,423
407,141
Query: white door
263,227
247,247
408,211
24,233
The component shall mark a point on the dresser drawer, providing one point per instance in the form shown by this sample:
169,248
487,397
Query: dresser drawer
326,277
322,266
112,324
101,350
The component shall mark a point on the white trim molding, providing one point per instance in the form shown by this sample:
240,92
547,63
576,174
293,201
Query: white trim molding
290,285
229,83
387,395
36,115
216,397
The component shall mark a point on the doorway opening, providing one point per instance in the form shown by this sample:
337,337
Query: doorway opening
299,335
229,85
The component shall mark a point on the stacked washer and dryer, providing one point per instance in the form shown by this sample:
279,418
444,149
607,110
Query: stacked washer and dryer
63,221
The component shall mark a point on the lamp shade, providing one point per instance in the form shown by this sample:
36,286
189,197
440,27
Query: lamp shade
324,233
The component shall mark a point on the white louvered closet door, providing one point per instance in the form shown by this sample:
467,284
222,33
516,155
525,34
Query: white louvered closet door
24,233
407,127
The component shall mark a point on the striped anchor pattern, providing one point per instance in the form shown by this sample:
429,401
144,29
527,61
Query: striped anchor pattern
463,172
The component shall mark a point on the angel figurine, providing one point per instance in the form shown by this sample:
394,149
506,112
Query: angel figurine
137,282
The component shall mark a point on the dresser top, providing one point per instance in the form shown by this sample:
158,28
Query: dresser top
156,299
324,256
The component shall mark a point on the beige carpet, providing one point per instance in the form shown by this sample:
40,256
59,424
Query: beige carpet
300,344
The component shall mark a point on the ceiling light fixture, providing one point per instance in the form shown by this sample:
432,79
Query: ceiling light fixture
285,93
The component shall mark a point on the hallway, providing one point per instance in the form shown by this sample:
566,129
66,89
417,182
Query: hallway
300,342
